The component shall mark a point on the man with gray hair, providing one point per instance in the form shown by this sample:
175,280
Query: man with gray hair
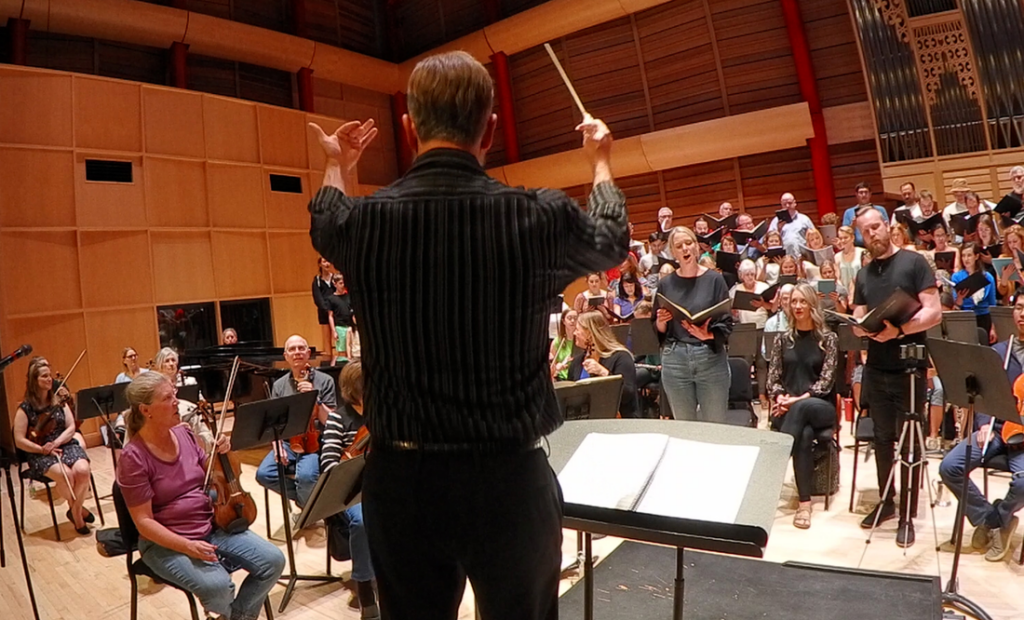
457,483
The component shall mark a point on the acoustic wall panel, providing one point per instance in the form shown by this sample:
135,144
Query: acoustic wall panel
286,209
39,271
293,262
115,268
176,193
240,264
282,137
231,130
36,108
235,196
295,315
108,115
110,205
110,331
182,267
59,338
37,188
174,122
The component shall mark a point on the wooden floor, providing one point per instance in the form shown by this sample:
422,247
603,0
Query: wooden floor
73,582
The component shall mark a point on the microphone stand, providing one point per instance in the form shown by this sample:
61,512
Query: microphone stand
8,459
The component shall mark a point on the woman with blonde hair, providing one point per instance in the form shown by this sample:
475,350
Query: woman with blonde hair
602,356
694,364
166,364
55,454
1011,278
801,377
161,476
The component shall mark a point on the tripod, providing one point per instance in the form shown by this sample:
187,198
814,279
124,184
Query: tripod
912,437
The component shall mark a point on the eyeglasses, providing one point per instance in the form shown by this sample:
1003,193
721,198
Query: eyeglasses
299,349
132,356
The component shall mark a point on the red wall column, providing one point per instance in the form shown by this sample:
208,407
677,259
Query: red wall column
305,76
179,65
506,107
405,154
19,40
821,163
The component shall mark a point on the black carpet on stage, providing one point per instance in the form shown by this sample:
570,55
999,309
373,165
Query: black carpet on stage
636,582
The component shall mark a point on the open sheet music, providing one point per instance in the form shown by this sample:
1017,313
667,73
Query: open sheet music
659,475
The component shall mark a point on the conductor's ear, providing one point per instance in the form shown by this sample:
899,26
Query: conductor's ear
487,139
409,133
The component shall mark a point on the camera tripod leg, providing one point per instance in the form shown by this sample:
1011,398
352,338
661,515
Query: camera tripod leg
889,485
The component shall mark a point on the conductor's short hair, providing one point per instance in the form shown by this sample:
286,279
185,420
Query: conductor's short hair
450,97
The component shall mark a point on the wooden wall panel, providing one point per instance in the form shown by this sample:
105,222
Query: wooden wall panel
110,331
36,108
231,130
59,338
606,74
174,122
680,63
545,113
852,163
837,67
293,262
765,177
295,315
109,205
757,62
694,190
286,210
115,268
39,272
182,267
643,198
235,196
176,193
108,115
282,137
240,264
39,189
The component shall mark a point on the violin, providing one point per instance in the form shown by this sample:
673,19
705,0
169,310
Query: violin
1012,433
359,446
308,442
234,510
46,423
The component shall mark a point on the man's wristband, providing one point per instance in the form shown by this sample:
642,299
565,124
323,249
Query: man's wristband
900,331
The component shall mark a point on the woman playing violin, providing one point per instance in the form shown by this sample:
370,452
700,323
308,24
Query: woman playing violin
44,428
161,474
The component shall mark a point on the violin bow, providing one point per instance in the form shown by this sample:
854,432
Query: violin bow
223,414
64,381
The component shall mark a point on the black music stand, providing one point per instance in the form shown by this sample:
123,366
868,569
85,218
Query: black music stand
972,376
621,333
189,393
102,402
273,420
1002,319
849,341
337,490
590,399
8,459
960,325
643,338
743,341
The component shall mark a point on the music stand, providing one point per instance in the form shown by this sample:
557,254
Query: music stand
8,459
1002,319
621,333
189,392
337,490
101,402
849,341
643,337
743,341
272,420
972,376
960,325
590,399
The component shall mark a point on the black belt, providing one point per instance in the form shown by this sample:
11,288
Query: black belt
480,447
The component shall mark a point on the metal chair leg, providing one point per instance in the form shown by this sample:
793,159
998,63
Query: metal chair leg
984,483
192,605
266,509
53,513
828,489
853,483
135,598
96,498
21,483
268,608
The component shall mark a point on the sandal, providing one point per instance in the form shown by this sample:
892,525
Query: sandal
802,519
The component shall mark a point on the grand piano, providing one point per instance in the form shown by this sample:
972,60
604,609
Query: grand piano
262,363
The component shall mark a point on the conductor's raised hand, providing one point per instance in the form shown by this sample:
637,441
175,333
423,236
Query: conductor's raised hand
597,138
347,143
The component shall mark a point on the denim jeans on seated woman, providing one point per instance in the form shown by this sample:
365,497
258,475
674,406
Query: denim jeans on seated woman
211,582
696,381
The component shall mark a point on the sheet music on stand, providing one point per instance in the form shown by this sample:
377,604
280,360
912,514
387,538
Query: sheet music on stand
654,474
336,490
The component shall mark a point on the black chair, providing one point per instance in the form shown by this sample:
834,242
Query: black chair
130,537
740,411
25,474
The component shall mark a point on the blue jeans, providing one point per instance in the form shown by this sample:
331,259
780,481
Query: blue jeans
979,510
211,581
362,569
695,375
307,470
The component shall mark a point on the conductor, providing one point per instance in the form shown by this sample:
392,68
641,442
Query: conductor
456,484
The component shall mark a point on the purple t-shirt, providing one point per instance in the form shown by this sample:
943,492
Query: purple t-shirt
176,489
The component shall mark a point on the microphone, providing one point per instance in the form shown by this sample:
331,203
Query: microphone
22,351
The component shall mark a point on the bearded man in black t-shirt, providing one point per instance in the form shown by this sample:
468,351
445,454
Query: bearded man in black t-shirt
886,380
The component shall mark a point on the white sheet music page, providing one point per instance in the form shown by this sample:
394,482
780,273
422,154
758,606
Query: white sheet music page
697,480
611,470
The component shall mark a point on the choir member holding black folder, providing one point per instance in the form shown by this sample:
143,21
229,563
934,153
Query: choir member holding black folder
974,289
694,319
886,381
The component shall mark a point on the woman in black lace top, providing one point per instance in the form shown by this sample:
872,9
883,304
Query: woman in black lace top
801,375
